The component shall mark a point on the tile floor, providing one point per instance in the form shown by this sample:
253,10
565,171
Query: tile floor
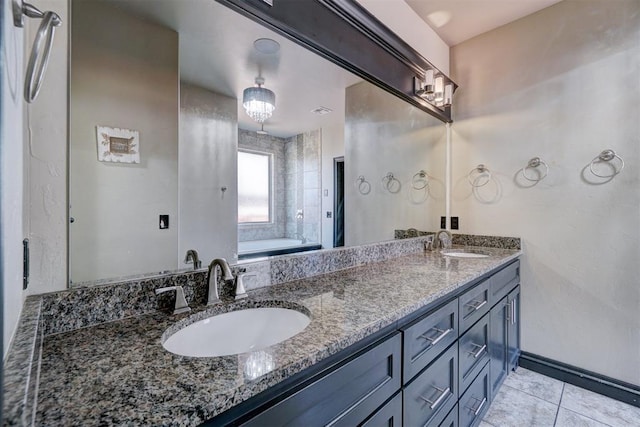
528,399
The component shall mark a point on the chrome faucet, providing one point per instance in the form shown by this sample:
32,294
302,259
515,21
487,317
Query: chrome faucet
212,278
192,256
442,239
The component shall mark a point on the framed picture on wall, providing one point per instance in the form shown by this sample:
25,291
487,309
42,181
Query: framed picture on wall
118,145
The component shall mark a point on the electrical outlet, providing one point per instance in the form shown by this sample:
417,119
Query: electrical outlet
163,222
443,222
454,223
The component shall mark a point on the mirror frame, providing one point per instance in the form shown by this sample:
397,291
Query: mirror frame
373,52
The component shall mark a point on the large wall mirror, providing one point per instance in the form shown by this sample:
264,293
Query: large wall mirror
164,158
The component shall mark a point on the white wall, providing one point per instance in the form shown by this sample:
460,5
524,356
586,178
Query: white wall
129,79
385,134
45,123
561,84
11,178
208,217
398,16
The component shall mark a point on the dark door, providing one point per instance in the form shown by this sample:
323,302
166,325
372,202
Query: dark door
513,328
338,203
498,344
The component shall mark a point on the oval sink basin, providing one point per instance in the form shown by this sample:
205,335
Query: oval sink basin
236,332
462,254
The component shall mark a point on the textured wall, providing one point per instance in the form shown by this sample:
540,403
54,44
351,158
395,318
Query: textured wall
46,139
384,134
561,84
207,216
125,78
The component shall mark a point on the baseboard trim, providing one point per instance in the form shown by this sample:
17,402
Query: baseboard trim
610,387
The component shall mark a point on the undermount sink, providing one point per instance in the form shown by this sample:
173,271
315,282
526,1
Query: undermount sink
464,254
236,332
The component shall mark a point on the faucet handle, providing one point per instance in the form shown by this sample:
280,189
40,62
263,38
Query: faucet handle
181,305
240,290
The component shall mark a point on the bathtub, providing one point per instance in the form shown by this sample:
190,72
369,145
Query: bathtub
271,247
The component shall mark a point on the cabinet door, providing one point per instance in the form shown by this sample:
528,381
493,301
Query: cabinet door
498,344
473,352
433,393
513,328
475,401
452,419
344,397
426,338
473,304
390,415
503,281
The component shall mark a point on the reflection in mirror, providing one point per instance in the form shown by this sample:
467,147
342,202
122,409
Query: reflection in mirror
210,177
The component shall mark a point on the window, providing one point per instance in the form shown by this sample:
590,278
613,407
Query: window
254,187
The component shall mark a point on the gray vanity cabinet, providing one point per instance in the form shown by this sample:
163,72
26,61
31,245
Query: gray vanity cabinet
436,369
390,415
475,401
426,338
432,394
513,328
504,346
345,397
499,366
473,351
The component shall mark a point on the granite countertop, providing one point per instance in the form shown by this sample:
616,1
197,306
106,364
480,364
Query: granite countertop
119,373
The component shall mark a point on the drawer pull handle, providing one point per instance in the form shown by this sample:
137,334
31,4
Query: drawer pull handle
435,340
443,394
477,353
477,411
513,310
476,305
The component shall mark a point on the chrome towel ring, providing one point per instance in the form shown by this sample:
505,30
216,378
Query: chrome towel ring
420,180
391,183
41,50
607,156
534,164
364,187
476,175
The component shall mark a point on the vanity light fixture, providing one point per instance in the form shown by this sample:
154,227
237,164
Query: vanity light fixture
435,88
259,102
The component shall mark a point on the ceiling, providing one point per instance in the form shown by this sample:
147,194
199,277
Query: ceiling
458,20
217,53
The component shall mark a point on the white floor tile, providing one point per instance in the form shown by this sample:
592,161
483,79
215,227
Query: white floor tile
567,418
600,408
512,408
535,384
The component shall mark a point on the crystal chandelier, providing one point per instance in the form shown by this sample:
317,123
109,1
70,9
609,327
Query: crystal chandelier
259,102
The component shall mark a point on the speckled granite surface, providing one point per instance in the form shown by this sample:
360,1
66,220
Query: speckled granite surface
91,305
118,373
466,239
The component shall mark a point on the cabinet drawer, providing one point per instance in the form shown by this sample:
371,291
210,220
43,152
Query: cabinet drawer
473,304
425,339
473,352
475,401
452,418
346,396
433,393
503,281
390,415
